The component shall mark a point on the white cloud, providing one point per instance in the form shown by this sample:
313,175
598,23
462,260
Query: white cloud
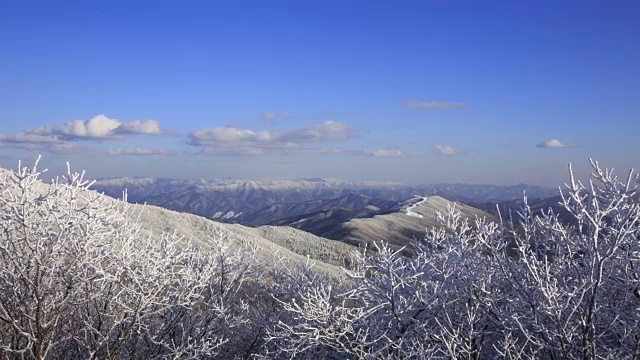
325,131
37,142
553,143
62,138
146,127
138,151
236,141
445,150
433,105
99,127
227,134
393,153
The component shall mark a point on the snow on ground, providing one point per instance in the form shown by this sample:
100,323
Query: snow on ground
410,212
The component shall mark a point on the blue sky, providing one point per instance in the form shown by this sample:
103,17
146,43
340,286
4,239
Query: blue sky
497,92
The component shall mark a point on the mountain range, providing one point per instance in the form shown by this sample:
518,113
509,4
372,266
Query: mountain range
257,203
353,213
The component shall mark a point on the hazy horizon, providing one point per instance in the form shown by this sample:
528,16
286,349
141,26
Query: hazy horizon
410,92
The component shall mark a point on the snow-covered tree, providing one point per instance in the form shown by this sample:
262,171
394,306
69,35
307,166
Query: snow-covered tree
576,288
79,279
532,286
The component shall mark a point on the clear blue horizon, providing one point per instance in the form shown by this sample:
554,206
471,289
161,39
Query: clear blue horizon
416,92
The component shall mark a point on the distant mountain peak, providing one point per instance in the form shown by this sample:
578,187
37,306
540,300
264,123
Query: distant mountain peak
315,179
